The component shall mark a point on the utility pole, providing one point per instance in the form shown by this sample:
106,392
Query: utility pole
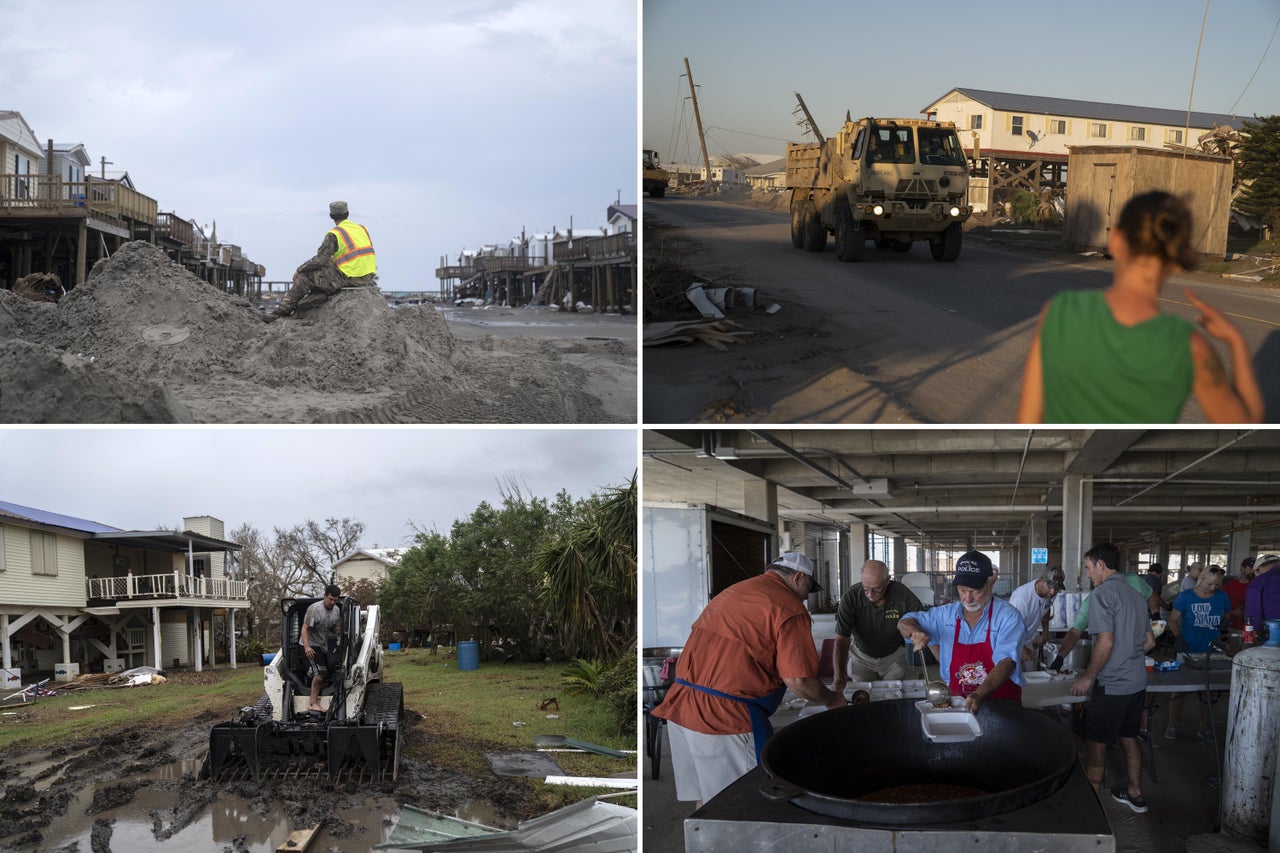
813,125
105,164
697,117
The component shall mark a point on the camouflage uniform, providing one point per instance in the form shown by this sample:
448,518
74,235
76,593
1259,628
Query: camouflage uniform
318,278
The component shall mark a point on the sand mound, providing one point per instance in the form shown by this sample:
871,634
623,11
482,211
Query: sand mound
143,340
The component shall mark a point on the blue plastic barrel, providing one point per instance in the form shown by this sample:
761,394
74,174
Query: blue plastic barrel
266,659
469,655
393,647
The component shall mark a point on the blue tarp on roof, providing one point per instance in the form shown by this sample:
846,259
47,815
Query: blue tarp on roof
54,519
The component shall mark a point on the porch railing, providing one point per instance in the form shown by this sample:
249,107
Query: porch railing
104,198
173,585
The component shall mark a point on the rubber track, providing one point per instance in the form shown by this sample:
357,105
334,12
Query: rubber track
382,704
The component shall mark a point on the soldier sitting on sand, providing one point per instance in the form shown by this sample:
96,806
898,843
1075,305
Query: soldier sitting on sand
344,259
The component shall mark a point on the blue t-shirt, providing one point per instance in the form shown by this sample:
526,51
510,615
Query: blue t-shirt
1201,618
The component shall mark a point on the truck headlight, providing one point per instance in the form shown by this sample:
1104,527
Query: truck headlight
955,211
878,210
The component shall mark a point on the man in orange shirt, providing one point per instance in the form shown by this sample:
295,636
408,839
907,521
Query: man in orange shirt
751,643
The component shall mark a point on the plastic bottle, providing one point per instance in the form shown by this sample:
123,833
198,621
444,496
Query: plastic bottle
1248,636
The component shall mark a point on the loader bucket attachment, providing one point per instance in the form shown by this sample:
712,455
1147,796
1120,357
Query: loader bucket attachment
232,739
366,739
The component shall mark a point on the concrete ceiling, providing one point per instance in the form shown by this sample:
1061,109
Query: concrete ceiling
979,488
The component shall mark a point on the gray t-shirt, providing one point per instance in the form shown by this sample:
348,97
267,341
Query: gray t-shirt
322,625
1119,609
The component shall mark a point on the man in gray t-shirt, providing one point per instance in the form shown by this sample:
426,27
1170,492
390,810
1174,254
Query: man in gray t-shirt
1116,680
321,630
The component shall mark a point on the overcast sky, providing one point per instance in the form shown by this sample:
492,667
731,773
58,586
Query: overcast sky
390,479
443,124
893,59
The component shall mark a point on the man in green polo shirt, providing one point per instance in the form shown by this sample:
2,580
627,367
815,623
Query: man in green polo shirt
867,624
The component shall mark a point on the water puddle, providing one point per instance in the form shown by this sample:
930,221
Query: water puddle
230,822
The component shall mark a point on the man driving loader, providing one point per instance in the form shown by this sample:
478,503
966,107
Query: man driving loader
345,259
321,632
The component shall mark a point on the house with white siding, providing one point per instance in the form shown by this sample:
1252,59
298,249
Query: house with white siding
20,156
1017,141
69,165
77,595
1008,123
371,564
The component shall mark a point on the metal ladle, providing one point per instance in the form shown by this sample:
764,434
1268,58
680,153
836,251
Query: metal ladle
936,692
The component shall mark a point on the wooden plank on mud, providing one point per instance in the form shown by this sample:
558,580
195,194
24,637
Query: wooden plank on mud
299,840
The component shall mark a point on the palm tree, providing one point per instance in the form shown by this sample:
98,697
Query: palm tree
590,576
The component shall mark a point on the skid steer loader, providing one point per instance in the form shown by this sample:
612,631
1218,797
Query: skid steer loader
356,737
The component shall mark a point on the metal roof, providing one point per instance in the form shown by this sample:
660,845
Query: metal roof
157,540
1067,107
166,540
53,519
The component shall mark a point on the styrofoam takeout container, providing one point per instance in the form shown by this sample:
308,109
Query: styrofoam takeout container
948,725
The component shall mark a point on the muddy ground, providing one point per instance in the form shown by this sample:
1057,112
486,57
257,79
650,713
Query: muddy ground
141,790
144,341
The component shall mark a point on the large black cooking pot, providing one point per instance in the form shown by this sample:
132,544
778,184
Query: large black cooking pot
827,762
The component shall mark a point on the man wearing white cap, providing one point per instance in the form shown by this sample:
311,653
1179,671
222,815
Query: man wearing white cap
345,259
1262,598
1032,601
750,644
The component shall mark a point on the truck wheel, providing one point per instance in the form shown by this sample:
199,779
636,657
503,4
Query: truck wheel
797,225
815,234
851,241
947,247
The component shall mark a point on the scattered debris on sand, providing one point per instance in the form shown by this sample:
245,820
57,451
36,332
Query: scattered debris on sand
144,341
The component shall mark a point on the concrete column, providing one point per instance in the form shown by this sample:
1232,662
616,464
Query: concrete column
1038,537
846,571
899,566
198,654
760,500
156,651
1077,527
66,645
1240,546
6,649
857,549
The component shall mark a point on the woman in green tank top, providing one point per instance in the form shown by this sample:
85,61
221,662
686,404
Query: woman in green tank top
1112,357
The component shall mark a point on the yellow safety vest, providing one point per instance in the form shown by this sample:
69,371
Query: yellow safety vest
355,256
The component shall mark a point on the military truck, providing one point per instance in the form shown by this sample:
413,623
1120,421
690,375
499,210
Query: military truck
891,181
654,177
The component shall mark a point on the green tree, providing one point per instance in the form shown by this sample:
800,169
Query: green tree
1258,168
1027,208
590,575
418,593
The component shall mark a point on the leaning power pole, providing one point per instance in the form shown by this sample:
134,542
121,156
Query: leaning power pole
808,119
697,117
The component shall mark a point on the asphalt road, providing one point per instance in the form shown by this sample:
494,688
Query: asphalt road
932,342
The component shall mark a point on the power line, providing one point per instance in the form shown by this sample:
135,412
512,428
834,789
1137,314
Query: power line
745,133
1232,111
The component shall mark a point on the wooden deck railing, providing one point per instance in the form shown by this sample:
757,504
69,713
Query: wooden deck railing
103,198
173,585
175,228
597,248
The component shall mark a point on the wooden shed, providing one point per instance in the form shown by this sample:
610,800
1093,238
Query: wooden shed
1103,178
